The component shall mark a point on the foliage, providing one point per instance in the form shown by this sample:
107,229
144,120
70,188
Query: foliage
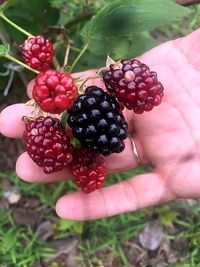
122,28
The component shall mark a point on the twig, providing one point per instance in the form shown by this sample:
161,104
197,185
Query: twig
66,56
56,63
188,2
84,16
78,57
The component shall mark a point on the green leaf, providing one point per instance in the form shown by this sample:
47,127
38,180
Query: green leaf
127,17
4,49
65,224
118,48
166,214
8,4
77,227
75,142
64,118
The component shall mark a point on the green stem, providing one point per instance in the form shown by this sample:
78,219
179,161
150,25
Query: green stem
75,49
20,63
78,57
15,25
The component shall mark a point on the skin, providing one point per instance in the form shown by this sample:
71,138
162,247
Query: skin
168,137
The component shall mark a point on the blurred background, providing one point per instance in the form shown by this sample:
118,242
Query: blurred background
30,232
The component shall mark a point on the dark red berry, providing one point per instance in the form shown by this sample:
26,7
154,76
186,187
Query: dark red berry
97,122
47,144
134,85
89,170
37,52
2,1
54,92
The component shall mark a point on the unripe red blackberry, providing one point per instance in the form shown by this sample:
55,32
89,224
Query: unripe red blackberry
89,170
37,52
97,122
134,85
47,143
2,1
54,92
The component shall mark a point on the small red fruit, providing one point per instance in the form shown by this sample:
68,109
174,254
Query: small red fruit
134,85
54,92
48,144
89,170
2,1
37,52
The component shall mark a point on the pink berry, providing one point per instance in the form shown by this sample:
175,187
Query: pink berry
134,85
54,92
48,144
89,170
37,52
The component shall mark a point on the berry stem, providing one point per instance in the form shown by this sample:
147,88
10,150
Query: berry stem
9,57
66,55
56,63
78,57
15,25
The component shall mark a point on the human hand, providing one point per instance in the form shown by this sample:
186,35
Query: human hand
167,137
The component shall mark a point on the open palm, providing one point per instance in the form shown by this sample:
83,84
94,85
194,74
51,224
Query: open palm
168,137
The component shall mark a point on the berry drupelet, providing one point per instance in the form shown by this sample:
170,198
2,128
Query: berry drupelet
47,143
37,52
54,92
97,122
134,85
89,170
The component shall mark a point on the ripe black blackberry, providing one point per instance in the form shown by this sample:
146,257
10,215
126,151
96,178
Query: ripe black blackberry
97,122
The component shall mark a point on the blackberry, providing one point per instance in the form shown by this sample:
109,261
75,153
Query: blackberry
37,52
47,143
134,85
54,91
97,122
89,170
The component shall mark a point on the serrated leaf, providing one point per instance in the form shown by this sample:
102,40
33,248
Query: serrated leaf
8,4
4,49
127,17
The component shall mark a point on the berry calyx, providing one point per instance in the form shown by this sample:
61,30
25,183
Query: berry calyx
47,143
134,85
97,122
37,52
89,170
54,92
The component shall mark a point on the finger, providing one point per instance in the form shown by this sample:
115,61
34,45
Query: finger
126,160
11,124
30,88
30,172
139,192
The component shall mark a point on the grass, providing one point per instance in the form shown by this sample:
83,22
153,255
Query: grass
102,241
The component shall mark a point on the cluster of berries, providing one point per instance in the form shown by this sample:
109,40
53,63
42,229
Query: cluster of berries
95,116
